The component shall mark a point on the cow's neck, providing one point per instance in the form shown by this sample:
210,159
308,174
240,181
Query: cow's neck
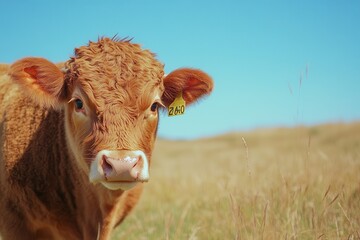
96,207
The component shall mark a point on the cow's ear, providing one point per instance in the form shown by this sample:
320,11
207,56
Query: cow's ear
192,83
40,79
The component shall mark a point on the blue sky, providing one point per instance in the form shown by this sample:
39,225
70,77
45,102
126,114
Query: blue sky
258,53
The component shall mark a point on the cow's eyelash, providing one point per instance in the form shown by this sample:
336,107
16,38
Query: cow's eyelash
161,104
72,99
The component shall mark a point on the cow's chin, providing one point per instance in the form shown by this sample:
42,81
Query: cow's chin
119,185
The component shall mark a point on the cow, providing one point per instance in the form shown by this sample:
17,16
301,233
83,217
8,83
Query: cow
76,138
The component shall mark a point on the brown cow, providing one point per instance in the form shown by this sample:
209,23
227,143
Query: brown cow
76,144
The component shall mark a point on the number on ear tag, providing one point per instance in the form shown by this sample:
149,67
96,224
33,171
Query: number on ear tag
177,107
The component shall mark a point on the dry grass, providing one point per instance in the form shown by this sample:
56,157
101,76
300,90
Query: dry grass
301,183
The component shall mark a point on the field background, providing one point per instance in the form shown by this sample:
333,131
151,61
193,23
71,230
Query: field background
296,183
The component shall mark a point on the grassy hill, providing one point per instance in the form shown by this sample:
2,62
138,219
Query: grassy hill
299,183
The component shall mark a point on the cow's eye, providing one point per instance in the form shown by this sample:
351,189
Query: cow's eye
79,105
154,107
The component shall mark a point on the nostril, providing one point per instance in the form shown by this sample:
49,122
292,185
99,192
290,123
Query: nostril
106,166
137,167
137,161
135,164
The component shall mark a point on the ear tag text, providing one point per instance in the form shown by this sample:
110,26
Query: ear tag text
177,107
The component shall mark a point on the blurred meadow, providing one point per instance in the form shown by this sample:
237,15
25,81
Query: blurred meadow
285,183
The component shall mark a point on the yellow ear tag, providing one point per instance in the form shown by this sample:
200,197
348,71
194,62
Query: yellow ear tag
177,107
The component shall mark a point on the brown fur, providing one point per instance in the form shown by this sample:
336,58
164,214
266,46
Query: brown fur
46,148
3,68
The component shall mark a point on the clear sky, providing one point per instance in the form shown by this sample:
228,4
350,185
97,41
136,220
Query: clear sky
274,63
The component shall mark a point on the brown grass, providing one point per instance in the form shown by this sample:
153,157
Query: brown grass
301,183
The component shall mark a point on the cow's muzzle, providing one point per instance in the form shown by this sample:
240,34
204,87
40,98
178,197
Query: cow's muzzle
119,169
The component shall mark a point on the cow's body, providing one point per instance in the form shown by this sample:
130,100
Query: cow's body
59,182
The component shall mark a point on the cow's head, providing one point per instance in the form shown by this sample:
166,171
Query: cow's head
111,92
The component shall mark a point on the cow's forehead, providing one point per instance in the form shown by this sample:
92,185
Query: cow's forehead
115,69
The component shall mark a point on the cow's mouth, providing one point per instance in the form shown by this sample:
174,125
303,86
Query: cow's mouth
119,185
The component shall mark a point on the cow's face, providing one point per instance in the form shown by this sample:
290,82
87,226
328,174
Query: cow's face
111,92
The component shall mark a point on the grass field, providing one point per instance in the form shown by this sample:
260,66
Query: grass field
300,183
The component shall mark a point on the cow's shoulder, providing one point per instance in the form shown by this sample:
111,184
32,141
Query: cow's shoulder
29,139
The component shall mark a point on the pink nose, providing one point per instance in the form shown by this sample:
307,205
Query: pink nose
122,167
